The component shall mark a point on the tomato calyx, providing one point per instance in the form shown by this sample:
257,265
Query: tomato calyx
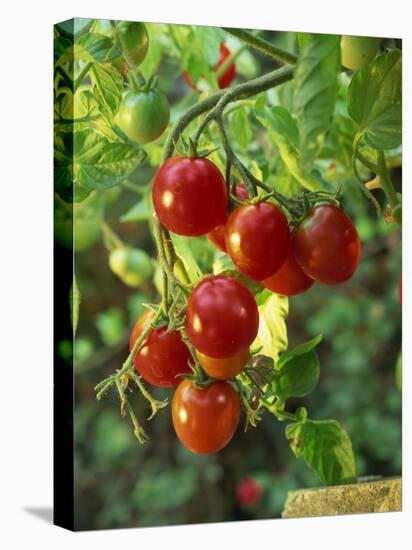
189,149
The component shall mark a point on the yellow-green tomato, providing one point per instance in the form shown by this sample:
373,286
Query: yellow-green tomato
134,40
143,115
358,51
132,265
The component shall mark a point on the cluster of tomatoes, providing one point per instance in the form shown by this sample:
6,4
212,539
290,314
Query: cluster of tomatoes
190,198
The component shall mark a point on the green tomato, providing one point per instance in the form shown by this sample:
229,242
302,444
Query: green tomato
82,220
358,51
143,115
134,40
132,265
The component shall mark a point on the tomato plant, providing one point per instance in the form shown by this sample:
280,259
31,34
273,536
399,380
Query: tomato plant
161,356
313,167
205,420
189,196
326,245
257,239
222,317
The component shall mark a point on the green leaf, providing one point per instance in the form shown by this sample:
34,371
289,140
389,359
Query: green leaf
316,85
75,300
90,48
108,88
303,40
302,349
184,252
284,133
141,211
272,336
298,376
241,128
326,448
375,101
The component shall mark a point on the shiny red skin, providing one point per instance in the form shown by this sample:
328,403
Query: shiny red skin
289,280
222,317
248,492
161,356
217,235
326,245
257,239
205,420
189,196
226,78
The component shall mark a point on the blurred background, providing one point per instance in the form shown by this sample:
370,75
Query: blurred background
119,483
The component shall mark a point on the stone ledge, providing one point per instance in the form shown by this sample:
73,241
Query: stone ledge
358,498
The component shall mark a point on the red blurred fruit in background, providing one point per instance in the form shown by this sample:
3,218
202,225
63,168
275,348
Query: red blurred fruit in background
226,78
249,492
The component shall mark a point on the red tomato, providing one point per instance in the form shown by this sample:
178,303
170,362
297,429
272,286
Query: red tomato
326,245
248,492
205,419
161,356
257,239
222,317
189,196
226,78
217,235
289,279
223,369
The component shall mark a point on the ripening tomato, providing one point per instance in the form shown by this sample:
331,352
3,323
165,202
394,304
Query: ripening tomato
205,419
289,279
358,51
326,245
257,239
226,78
217,235
222,317
189,196
225,368
162,356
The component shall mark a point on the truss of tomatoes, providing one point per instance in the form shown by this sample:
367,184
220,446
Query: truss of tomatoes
190,198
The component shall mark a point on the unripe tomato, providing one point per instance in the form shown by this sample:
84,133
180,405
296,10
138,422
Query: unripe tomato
217,235
143,115
257,239
189,196
225,368
226,78
222,317
326,245
162,356
205,420
248,492
77,226
289,279
131,265
134,40
358,51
